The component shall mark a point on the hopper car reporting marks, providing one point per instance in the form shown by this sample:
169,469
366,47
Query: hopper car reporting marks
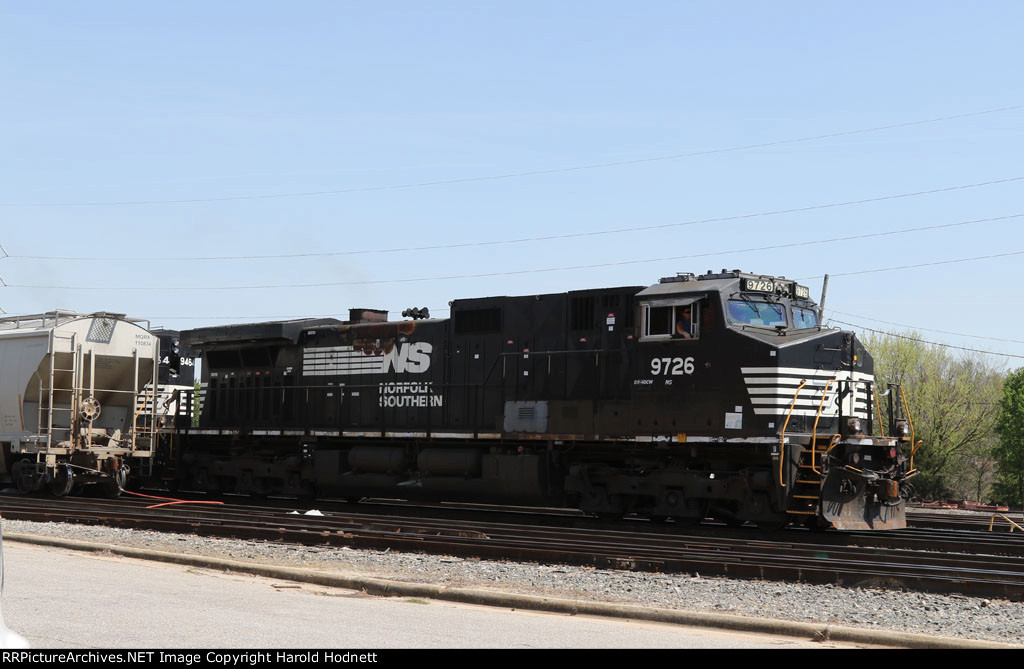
716,395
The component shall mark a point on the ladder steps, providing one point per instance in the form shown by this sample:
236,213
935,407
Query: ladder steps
806,504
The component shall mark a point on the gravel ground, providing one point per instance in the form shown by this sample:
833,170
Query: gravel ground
941,615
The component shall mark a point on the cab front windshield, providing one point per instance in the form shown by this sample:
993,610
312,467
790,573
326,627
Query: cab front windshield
804,318
761,314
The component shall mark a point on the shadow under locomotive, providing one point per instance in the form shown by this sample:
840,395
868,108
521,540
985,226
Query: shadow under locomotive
716,395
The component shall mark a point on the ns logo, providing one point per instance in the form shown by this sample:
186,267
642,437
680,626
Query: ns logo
412,358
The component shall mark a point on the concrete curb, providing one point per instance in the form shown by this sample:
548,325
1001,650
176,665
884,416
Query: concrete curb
382,587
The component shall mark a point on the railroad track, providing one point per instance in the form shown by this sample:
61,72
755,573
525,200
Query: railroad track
965,562
965,521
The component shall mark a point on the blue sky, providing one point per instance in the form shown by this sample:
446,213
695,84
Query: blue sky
126,102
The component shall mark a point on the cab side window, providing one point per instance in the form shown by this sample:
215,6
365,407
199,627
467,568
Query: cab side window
672,321
658,321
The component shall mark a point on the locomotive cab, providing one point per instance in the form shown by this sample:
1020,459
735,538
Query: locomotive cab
794,397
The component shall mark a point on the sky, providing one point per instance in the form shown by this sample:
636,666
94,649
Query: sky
200,163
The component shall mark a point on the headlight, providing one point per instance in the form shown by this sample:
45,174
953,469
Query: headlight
902,429
854,425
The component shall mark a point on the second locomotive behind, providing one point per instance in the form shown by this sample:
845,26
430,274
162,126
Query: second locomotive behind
718,394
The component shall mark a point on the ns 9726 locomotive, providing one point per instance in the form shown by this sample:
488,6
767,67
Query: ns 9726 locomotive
717,395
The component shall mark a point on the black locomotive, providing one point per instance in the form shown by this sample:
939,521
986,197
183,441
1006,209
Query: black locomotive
715,395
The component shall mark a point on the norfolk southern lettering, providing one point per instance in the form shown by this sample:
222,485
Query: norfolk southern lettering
408,394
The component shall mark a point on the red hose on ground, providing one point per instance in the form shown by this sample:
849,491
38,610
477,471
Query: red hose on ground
169,501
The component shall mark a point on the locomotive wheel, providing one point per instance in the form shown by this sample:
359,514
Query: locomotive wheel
62,482
688,521
693,521
817,524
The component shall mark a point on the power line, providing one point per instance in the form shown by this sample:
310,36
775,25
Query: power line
514,175
913,327
574,267
924,341
592,233
925,264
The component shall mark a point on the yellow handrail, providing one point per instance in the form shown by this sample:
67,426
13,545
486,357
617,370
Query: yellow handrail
145,401
782,437
915,445
814,430
1013,525
878,412
906,409
135,418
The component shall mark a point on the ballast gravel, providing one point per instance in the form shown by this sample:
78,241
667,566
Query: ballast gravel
896,610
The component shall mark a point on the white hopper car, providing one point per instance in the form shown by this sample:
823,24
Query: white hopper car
70,386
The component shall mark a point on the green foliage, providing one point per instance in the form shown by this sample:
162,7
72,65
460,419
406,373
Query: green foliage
953,404
195,403
1009,453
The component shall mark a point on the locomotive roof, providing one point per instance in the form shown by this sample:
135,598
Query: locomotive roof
271,330
725,282
477,301
677,287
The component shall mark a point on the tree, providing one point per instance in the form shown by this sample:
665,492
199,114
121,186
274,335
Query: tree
1009,454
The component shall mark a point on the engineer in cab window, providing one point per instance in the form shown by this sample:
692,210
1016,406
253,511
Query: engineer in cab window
684,323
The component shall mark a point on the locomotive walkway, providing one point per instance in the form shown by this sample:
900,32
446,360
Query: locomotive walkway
966,562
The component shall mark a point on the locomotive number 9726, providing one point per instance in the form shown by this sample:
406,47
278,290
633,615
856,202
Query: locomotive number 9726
671,366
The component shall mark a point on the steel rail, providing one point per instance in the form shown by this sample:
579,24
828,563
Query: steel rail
784,559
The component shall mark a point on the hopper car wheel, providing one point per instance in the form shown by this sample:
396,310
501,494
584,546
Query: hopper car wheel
62,482
24,477
113,486
111,489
